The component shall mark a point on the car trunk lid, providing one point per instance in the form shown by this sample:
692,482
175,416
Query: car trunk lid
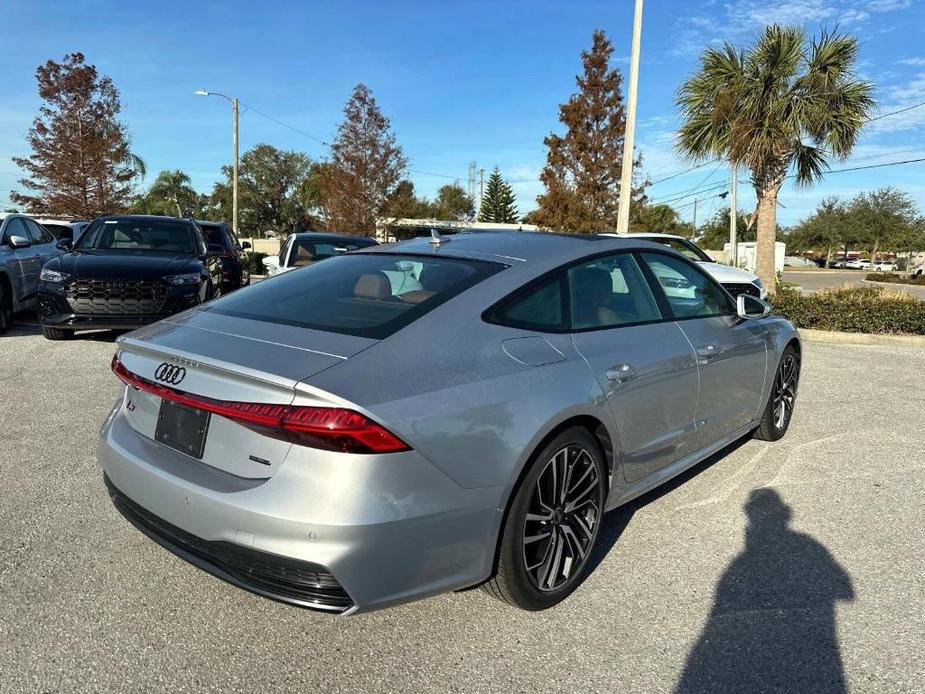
243,361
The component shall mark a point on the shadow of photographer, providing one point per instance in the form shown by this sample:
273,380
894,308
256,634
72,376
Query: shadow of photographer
772,627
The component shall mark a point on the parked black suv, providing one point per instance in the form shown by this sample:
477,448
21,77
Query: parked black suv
126,271
234,264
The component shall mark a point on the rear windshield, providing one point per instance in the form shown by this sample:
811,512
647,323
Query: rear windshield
215,234
310,249
161,235
368,295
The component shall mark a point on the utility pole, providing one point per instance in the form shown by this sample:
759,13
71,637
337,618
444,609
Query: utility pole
695,216
234,170
234,144
626,175
733,214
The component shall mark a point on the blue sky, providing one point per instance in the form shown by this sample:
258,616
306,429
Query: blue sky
460,81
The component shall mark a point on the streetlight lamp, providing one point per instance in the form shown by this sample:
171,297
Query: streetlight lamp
234,166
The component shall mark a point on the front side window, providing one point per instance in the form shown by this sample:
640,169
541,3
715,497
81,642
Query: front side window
355,294
15,227
36,233
157,235
689,292
610,291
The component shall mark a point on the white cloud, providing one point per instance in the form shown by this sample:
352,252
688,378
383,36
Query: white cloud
917,62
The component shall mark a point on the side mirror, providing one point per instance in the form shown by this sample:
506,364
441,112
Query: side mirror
246,245
64,244
748,306
271,261
20,242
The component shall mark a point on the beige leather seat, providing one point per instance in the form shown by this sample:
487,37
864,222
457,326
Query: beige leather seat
373,287
304,256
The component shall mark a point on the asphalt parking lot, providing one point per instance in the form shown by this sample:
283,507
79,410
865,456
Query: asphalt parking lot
814,280
704,585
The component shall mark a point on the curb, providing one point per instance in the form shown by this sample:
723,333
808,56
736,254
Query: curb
878,283
834,337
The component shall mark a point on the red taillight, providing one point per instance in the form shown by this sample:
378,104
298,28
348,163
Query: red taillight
331,428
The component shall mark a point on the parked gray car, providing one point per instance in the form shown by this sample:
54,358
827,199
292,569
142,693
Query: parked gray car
328,440
25,247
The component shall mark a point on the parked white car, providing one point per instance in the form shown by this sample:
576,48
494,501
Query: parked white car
735,280
307,248
858,264
884,266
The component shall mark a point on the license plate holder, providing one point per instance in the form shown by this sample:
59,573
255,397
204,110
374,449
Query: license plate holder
182,428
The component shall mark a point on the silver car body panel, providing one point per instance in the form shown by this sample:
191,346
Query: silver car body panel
473,399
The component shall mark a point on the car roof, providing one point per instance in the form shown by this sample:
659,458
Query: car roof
515,247
645,235
323,236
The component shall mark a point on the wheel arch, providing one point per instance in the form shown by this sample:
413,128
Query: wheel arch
7,284
599,432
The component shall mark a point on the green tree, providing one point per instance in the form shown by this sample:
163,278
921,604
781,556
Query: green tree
781,104
453,204
278,191
583,166
662,219
403,203
886,219
173,188
365,167
823,231
714,235
498,201
81,162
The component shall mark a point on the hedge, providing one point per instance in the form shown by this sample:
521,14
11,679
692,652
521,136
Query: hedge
854,310
255,262
894,278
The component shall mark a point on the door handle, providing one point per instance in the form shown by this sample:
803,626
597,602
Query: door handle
620,373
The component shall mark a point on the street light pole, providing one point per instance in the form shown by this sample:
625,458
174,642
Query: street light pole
733,215
234,171
626,175
234,164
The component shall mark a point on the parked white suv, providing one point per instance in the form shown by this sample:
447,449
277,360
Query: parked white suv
884,266
735,280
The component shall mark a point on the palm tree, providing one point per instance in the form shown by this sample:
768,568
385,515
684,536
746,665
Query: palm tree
173,186
780,105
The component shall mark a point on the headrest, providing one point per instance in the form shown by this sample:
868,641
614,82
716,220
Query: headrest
416,296
373,286
306,253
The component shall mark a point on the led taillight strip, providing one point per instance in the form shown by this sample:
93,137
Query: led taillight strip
330,428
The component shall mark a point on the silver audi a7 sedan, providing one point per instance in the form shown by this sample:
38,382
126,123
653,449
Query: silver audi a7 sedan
338,440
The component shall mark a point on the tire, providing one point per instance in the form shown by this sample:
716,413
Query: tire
56,333
6,308
544,547
774,421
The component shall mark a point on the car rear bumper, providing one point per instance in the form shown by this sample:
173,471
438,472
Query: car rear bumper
412,531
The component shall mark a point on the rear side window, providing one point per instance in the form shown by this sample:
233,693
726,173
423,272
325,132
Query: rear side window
540,307
365,295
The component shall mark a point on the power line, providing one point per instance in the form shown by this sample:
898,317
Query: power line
893,113
286,125
681,173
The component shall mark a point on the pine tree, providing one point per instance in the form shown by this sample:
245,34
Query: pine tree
80,164
365,168
498,201
582,172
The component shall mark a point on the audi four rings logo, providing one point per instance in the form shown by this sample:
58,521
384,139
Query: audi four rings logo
170,373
